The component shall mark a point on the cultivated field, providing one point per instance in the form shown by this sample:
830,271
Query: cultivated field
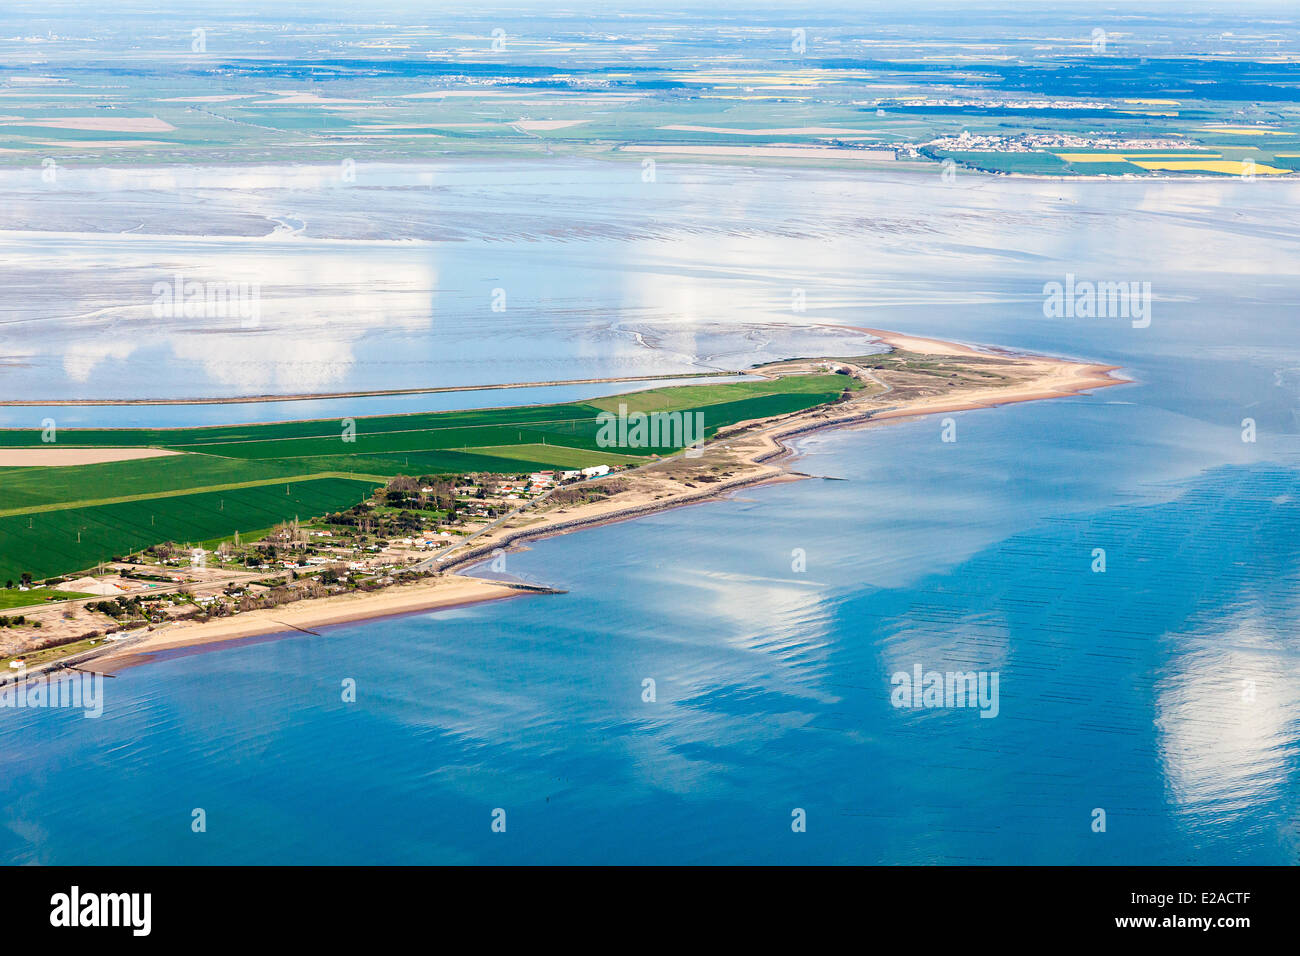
248,478
47,543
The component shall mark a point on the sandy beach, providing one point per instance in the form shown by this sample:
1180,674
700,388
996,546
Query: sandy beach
427,595
1054,378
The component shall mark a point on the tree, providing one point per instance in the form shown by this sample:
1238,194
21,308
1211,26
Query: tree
404,483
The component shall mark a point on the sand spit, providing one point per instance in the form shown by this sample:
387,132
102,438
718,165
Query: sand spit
898,384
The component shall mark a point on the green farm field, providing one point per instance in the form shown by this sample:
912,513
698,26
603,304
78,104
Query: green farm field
54,542
574,424
22,489
33,597
234,477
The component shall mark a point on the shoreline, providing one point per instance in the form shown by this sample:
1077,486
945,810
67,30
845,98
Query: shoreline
1092,375
433,594
760,453
1080,377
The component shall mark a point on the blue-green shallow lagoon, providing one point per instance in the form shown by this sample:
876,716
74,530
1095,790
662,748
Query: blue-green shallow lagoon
1163,691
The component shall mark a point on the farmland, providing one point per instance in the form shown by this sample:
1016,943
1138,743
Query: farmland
666,96
26,488
12,597
55,542
57,520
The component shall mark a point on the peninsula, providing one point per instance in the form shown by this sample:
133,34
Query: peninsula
357,519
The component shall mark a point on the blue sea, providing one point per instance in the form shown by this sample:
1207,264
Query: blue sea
1148,713
1122,690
